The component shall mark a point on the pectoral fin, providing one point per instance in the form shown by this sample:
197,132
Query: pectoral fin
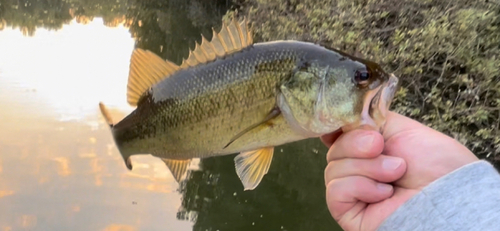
253,165
273,114
177,167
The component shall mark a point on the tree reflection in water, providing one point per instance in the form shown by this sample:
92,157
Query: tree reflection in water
290,197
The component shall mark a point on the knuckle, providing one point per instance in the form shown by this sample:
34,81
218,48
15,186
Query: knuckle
331,170
335,188
334,153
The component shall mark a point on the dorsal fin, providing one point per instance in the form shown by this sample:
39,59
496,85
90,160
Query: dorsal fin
231,38
146,69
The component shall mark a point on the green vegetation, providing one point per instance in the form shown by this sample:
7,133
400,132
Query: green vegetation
446,53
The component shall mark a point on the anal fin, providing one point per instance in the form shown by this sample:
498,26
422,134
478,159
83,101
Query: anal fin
177,167
251,166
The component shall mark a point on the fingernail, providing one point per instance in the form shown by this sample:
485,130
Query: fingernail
365,142
391,163
384,187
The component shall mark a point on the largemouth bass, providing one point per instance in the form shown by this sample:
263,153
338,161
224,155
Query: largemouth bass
235,96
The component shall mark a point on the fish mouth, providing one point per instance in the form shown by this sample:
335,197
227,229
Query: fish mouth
381,101
376,105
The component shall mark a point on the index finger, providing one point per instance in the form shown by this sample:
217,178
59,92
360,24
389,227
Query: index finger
357,143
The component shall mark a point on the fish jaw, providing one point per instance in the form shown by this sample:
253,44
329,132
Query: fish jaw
376,106
380,105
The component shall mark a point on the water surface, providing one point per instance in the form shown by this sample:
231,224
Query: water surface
59,168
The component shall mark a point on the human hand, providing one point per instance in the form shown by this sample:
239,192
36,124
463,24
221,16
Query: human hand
365,187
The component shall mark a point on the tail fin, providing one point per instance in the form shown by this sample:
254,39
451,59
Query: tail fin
109,120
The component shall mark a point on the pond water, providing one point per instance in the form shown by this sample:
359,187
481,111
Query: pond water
59,168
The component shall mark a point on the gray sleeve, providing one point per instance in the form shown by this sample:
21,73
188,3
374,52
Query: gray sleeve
465,199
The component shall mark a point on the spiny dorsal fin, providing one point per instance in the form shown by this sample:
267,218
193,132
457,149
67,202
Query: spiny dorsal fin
146,70
177,167
231,38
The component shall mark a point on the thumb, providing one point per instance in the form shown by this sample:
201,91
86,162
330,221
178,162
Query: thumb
422,146
396,123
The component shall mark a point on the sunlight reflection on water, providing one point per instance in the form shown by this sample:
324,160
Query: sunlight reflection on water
59,167
71,69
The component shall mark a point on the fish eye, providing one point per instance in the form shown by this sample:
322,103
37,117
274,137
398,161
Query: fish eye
362,77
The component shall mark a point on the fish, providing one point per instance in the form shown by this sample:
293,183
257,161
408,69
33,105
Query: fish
234,96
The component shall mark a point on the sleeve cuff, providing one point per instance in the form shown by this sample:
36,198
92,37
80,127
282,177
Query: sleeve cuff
465,199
